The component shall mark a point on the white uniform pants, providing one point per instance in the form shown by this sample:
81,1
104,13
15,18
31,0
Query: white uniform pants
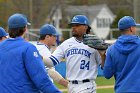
87,87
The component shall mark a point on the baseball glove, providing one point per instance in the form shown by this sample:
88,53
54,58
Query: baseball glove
94,42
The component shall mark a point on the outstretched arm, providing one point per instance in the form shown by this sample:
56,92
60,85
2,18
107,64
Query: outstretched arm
48,62
57,77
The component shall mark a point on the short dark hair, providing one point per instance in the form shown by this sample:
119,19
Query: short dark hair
42,37
88,30
0,38
16,32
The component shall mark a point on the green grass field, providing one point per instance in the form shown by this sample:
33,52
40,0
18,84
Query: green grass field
109,90
100,81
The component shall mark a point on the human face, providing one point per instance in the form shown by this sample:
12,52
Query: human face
51,40
78,30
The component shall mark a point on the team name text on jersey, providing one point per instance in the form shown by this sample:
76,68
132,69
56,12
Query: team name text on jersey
79,51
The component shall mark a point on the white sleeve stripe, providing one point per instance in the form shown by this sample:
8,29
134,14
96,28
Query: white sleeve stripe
54,62
55,59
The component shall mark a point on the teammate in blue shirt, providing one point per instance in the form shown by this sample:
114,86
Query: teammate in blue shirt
21,67
123,58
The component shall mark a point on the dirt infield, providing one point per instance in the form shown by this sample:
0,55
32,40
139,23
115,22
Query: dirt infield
98,87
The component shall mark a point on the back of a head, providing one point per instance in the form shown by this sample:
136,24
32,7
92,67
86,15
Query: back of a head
16,25
48,29
17,20
126,22
2,32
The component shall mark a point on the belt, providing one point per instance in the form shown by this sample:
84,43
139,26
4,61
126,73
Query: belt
77,82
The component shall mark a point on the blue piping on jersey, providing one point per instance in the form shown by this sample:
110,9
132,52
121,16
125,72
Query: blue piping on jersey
54,60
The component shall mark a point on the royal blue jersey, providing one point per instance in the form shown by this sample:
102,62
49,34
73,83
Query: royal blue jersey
123,62
22,69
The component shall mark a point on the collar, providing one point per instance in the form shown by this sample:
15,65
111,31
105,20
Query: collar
78,40
17,38
39,43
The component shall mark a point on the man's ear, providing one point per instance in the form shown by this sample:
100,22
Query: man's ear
25,29
131,29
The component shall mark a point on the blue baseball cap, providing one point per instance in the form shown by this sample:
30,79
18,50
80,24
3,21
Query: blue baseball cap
2,32
126,22
48,29
17,20
80,19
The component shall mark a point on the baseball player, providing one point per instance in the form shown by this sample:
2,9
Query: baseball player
47,39
21,67
81,60
3,34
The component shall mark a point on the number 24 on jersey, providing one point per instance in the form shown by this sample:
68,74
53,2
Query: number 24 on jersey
84,64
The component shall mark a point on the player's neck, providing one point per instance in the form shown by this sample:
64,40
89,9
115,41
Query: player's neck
79,38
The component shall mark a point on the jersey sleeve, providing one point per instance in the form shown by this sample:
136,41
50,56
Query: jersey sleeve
57,55
45,52
36,71
107,69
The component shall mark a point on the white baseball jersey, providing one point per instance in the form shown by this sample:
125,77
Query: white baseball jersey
81,60
43,51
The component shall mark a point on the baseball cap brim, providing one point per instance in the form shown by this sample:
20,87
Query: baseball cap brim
72,24
28,23
137,24
7,34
